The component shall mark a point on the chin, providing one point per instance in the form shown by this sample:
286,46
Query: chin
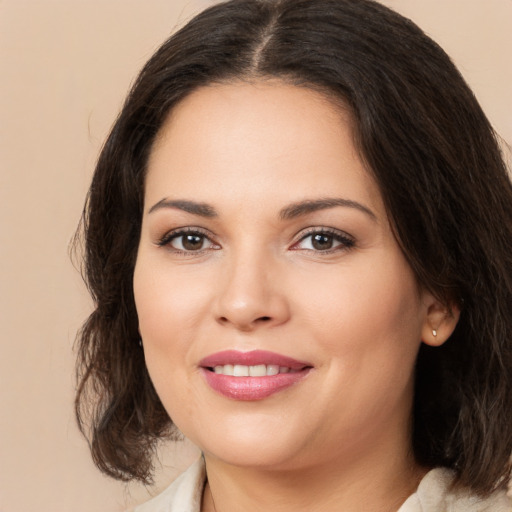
253,455
256,442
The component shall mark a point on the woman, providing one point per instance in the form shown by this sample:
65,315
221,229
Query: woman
298,239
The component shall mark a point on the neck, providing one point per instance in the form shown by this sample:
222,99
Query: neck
354,486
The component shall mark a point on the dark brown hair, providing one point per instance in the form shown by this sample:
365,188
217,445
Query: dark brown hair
436,160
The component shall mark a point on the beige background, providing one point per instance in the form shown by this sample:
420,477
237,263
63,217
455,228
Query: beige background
65,68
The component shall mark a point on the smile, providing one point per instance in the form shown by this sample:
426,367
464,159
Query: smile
259,370
251,375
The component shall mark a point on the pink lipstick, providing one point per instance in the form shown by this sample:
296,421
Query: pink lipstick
251,375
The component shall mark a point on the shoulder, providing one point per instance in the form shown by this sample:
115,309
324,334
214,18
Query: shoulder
183,495
434,495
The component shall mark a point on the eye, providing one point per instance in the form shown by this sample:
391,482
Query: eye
187,241
324,240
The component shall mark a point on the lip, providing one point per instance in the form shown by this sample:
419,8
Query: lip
252,358
252,388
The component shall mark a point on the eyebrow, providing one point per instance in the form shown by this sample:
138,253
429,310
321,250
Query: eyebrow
201,209
289,212
309,206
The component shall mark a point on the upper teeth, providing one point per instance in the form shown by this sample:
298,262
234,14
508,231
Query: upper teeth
259,370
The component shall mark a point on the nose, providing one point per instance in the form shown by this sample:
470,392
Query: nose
251,295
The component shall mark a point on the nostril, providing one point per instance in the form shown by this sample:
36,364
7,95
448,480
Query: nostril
245,323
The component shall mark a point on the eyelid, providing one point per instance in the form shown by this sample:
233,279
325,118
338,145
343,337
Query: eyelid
169,236
346,241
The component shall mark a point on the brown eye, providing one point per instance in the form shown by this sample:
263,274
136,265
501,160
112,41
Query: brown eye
322,242
187,241
191,242
327,241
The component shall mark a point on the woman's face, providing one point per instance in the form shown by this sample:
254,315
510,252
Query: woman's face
266,248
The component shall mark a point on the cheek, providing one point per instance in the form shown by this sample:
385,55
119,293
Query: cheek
168,309
366,313
368,327
168,303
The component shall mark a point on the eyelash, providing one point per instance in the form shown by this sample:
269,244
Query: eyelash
345,241
168,238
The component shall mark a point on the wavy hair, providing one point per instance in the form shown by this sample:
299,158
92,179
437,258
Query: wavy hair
438,165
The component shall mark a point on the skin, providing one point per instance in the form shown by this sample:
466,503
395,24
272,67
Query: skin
340,438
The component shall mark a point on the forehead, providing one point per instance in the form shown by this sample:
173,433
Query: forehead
248,104
257,136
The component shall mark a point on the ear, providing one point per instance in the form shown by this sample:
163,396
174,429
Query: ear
440,321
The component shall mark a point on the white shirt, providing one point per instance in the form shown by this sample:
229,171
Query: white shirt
432,495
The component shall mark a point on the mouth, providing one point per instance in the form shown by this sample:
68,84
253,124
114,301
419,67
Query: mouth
258,370
252,375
